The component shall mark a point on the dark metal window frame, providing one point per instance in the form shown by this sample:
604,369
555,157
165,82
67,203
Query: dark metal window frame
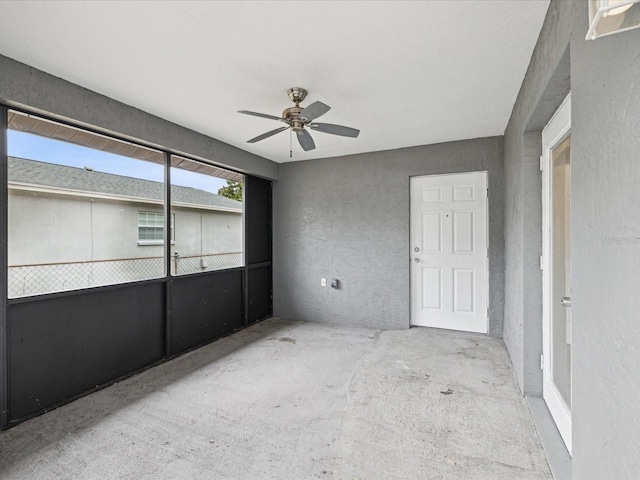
4,386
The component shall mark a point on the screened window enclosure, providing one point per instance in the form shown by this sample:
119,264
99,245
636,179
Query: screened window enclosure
87,210
117,256
207,205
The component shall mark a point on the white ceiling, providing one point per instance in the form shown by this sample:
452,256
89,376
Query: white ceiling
405,73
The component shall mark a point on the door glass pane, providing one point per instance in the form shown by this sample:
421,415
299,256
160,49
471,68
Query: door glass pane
561,274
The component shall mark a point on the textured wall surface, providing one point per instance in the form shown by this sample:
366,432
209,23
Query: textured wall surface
605,234
531,249
348,218
605,239
545,86
22,85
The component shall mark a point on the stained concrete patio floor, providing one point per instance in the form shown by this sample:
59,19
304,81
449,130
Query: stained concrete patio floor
295,400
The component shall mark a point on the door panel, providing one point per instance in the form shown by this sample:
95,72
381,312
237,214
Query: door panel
464,291
431,195
556,201
431,288
464,193
432,232
449,251
464,232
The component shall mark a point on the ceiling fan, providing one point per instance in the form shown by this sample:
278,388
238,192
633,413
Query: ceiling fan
297,118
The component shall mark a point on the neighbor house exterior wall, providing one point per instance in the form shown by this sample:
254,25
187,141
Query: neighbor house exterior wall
97,240
200,231
33,233
100,229
348,218
605,234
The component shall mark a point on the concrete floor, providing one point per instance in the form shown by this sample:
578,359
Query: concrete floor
294,400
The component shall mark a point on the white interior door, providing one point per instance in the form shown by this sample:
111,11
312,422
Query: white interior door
556,201
449,254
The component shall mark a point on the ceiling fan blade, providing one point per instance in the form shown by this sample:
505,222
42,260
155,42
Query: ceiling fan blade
306,142
335,129
263,115
313,111
267,135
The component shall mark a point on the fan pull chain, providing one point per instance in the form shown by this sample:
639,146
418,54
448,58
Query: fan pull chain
290,143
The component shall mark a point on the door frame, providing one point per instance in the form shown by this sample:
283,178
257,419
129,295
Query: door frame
487,239
558,128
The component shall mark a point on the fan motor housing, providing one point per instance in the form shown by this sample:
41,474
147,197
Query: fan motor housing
297,125
291,115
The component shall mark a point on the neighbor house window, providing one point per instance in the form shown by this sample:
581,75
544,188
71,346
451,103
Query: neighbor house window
151,228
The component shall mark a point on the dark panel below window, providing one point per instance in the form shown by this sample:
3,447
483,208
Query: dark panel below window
205,307
260,303
64,346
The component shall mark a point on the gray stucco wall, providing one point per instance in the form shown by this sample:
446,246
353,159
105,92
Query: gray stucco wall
605,85
544,88
348,218
27,87
606,259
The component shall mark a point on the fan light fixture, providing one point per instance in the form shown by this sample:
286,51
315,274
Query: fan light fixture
612,16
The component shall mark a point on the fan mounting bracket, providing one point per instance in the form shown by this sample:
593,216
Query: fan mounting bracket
297,94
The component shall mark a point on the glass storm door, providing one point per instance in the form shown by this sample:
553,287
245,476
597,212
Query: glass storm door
556,172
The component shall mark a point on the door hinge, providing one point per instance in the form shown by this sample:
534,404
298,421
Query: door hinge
541,362
541,262
541,163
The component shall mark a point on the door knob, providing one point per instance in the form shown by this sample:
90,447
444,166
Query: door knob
565,302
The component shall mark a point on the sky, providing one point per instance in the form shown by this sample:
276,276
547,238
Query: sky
35,147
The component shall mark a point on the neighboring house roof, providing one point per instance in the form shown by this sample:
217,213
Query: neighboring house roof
32,172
